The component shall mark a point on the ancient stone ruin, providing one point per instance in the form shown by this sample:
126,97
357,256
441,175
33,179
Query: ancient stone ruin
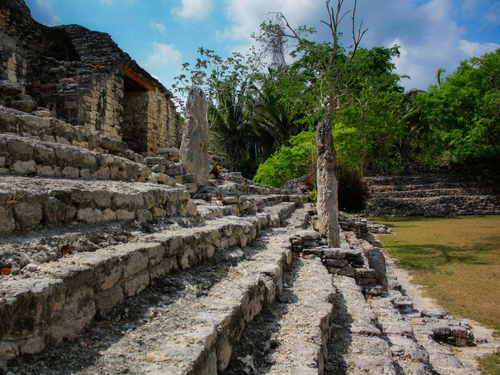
117,256
84,79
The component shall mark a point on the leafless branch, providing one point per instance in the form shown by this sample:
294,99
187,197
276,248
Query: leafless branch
357,39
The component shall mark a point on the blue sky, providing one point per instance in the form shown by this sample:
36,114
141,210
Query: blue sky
162,34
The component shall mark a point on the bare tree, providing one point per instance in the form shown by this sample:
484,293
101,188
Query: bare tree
338,86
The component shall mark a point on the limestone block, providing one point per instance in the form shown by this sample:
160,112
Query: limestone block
192,208
10,88
187,259
48,138
158,212
158,168
156,160
175,169
144,216
70,172
78,312
136,285
56,211
135,258
124,215
62,141
129,154
164,268
103,173
174,152
32,345
23,168
194,151
87,174
108,215
376,261
7,222
139,158
224,350
87,215
28,214
113,145
8,350
109,299
162,178
48,171
102,198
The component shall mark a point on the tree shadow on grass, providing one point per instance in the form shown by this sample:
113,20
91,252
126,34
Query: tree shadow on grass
428,257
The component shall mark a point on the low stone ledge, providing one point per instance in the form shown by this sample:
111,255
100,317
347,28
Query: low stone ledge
30,157
32,203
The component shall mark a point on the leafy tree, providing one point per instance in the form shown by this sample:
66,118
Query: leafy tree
462,113
289,162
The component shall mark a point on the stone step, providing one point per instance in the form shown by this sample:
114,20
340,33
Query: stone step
434,206
356,346
242,204
56,300
304,317
430,192
31,203
191,327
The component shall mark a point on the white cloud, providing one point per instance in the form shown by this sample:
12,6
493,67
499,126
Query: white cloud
477,49
159,27
164,56
428,35
197,9
247,15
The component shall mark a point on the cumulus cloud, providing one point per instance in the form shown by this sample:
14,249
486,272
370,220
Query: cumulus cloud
164,56
428,34
158,27
477,49
247,15
197,9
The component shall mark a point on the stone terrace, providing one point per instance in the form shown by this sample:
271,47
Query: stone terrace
434,194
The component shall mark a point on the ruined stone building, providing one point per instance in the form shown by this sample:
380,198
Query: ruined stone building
84,78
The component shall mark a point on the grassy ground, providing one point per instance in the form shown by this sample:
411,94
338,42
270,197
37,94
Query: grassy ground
457,260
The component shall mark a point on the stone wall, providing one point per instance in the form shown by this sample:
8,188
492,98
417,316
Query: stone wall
149,122
13,64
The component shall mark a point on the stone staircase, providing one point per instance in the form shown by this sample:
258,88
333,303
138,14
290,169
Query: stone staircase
111,265
434,194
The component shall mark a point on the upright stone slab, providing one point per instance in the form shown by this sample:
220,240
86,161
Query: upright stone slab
194,153
327,204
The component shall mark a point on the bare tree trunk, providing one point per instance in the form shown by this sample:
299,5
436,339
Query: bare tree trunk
327,203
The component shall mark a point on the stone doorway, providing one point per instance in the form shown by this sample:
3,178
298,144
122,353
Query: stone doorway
135,111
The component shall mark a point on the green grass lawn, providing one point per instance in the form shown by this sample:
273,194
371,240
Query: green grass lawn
456,259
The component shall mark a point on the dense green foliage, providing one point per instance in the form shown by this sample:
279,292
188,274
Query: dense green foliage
461,116
289,162
300,159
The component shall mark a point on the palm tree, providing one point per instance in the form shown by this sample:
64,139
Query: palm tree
407,139
439,72
271,119
229,122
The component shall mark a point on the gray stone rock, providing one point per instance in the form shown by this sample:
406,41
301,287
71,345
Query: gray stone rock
193,151
10,88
